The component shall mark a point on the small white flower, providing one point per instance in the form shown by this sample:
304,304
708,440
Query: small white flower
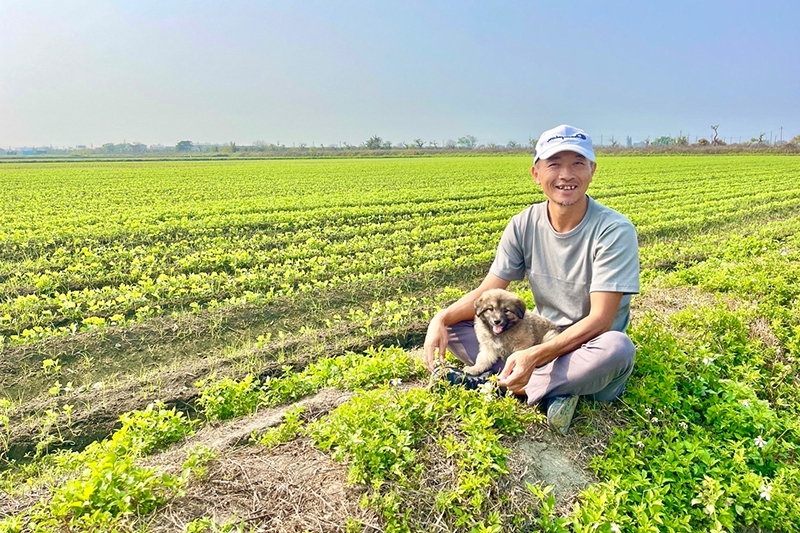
395,382
615,527
746,403
487,389
708,360
648,411
683,424
760,442
766,492
640,444
654,420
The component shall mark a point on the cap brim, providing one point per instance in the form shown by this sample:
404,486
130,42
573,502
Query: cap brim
547,154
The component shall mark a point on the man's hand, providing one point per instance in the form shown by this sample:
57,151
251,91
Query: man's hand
519,367
435,342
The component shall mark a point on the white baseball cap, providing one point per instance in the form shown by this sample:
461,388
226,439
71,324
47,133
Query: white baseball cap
562,138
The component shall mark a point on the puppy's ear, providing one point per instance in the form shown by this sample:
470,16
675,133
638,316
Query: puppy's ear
478,304
519,308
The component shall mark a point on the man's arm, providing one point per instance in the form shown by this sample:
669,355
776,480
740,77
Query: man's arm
520,365
458,311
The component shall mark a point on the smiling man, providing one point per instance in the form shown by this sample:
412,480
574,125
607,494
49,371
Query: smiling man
582,262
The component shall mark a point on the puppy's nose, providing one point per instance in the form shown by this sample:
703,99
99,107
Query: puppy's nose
496,321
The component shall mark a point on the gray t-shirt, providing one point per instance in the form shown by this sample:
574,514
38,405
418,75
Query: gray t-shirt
600,255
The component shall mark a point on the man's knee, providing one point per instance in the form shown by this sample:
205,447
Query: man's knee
618,348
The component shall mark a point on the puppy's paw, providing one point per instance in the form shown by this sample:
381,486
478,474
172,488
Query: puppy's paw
473,370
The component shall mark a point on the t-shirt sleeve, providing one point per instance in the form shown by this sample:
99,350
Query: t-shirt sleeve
615,264
509,262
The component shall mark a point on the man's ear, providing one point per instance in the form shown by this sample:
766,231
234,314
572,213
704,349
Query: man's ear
535,174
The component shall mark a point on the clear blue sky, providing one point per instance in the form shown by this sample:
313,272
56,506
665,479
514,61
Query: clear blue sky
324,72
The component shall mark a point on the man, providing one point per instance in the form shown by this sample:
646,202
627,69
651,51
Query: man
582,262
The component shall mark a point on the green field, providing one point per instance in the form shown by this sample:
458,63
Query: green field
219,289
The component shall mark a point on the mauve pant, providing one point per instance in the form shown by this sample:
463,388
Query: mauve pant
598,369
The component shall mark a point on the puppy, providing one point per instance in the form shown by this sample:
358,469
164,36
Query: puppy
503,326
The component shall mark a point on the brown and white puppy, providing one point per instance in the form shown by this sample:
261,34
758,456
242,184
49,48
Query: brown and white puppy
504,326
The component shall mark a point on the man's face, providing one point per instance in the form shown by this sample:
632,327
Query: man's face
564,177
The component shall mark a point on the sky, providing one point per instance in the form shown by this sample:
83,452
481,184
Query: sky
327,72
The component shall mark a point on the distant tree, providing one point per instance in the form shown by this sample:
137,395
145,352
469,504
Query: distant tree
614,142
715,139
450,144
682,141
261,146
433,144
493,146
758,140
467,141
386,145
795,140
512,144
703,141
419,143
184,146
664,140
374,143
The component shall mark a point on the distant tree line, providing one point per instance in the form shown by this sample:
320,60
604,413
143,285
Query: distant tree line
376,145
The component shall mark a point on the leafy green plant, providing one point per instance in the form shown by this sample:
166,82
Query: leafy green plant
289,430
107,486
386,436
700,437
227,398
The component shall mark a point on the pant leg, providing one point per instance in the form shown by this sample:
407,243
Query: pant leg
463,343
598,369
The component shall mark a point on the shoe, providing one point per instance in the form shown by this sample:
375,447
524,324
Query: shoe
456,376
559,412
